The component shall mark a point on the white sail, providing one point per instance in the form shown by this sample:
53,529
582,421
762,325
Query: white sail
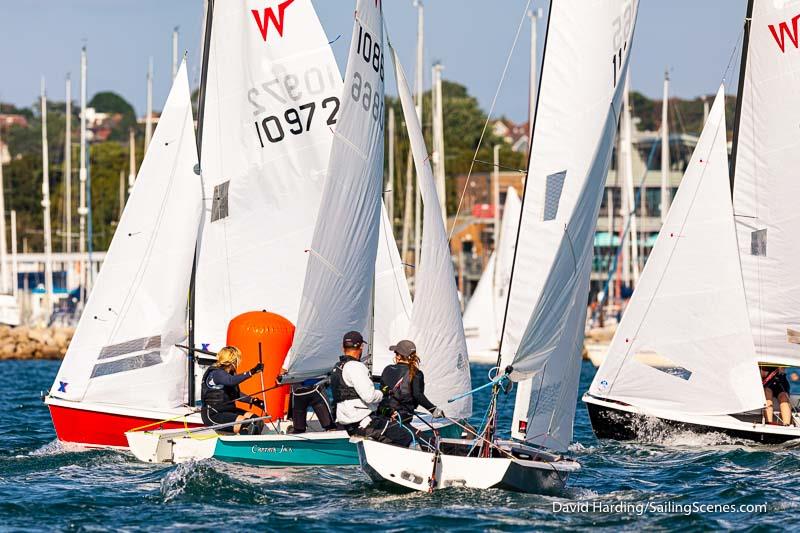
123,349
480,324
436,325
766,163
392,298
272,99
576,118
483,318
338,286
689,307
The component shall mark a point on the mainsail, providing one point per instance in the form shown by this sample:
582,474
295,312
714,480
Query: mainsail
766,159
436,325
137,309
338,287
574,128
689,307
272,98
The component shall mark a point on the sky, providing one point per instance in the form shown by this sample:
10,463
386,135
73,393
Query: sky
471,38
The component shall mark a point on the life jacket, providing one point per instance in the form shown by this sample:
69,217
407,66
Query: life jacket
218,397
400,397
340,390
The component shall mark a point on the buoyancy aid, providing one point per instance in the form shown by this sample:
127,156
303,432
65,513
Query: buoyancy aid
217,396
340,390
397,378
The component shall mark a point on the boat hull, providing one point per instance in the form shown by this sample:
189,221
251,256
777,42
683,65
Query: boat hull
96,428
622,422
414,470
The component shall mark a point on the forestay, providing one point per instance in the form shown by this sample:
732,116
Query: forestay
583,74
689,307
766,185
272,98
436,325
122,352
339,281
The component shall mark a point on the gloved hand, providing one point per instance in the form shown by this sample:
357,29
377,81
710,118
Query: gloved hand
256,369
385,390
438,413
258,403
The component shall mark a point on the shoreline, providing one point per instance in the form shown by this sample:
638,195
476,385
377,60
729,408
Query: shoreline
34,343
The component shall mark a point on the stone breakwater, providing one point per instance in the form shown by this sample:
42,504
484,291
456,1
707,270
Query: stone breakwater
34,343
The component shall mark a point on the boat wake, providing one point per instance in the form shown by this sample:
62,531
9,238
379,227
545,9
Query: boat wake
202,481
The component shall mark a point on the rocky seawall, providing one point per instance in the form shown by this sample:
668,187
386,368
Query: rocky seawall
25,342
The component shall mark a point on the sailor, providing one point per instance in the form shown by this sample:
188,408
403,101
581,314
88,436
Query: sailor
403,385
776,386
310,393
220,392
355,397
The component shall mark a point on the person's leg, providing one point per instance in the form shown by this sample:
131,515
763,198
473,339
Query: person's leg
299,409
321,408
769,407
244,415
390,432
786,408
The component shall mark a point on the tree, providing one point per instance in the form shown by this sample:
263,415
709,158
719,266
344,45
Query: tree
110,102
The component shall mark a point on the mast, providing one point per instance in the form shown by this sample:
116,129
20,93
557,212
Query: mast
121,194
14,262
3,248
628,164
67,172
201,104
705,108
82,211
496,195
534,16
389,195
407,208
48,260
148,119
418,98
740,91
174,52
438,138
132,159
665,200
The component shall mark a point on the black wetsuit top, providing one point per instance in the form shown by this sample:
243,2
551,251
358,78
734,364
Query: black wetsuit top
403,398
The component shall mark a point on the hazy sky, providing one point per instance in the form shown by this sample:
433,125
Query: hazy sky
472,38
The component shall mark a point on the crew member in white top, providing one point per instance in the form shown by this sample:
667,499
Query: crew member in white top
355,397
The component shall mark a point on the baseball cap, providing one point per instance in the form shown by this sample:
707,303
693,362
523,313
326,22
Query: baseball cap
404,348
352,339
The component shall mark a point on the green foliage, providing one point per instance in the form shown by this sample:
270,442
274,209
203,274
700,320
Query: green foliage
110,102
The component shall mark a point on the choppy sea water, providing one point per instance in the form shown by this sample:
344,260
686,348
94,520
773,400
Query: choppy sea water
623,486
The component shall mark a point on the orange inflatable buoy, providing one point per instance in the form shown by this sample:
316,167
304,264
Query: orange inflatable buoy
274,333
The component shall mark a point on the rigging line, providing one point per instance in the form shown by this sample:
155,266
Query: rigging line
666,266
491,164
489,115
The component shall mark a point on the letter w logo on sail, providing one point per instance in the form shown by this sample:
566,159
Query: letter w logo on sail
269,15
785,32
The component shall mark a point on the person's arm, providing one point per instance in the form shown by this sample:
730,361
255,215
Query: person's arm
418,391
357,374
220,377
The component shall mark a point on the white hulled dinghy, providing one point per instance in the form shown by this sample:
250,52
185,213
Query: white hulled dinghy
718,296
543,329
483,317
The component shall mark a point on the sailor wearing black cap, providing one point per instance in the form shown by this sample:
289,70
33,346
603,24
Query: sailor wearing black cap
355,397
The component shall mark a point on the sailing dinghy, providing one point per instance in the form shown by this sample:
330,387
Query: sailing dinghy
352,241
544,324
718,297
483,318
